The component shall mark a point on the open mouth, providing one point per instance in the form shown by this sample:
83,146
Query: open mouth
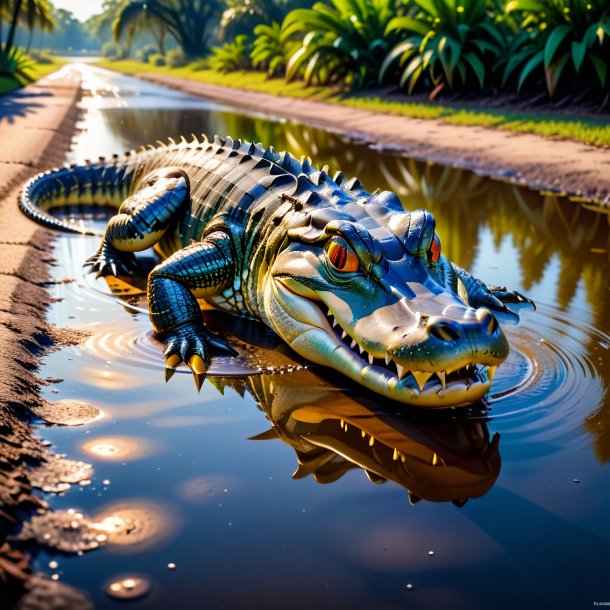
438,382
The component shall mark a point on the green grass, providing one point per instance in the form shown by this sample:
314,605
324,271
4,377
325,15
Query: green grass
594,132
10,83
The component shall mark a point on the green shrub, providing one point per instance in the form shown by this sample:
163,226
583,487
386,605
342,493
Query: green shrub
15,63
454,43
560,41
146,51
344,42
268,50
112,50
157,59
176,58
40,57
232,55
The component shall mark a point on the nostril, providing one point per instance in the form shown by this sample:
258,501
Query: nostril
487,320
444,330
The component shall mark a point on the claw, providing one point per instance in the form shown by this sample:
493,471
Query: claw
197,365
171,363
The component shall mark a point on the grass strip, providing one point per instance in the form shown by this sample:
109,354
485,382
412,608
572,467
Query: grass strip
588,131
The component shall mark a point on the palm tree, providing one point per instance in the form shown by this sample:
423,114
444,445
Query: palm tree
188,21
29,13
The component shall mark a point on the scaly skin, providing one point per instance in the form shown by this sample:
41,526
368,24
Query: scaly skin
349,279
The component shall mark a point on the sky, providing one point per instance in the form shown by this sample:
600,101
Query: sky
81,9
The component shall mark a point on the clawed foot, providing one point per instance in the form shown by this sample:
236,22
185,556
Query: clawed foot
192,345
496,298
109,261
511,296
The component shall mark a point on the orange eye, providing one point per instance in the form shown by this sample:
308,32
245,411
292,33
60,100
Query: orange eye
434,253
341,256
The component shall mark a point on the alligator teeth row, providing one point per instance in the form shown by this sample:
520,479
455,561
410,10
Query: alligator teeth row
421,377
436,460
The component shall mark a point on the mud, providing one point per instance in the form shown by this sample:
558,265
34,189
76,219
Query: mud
36,128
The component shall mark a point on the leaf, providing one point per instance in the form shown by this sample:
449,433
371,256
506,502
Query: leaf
477,67
395,53
553,73
600,68
531,65
414,64
407,24
579,49
554,40
493,31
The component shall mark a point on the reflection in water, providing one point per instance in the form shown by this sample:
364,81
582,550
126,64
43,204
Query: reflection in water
333,431
127,586
119,448
137,525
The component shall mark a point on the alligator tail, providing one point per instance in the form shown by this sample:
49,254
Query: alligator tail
84,187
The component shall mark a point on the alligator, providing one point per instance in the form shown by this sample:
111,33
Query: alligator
349,279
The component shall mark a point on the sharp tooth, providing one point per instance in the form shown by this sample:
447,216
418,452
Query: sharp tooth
341,423
371,359
388,360
403,458
401,370
395,455
371,441
443,379
491,371
361,349
343,335
353,343
421,377
434,460
363,433
330,313
335,322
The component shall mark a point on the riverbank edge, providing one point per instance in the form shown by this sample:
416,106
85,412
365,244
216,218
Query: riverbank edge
37,124
566,167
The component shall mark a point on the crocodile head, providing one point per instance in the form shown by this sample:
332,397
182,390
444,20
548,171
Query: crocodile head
363,288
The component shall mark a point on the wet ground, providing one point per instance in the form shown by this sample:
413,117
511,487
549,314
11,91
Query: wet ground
335,503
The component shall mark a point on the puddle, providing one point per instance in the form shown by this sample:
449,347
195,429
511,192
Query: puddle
290,488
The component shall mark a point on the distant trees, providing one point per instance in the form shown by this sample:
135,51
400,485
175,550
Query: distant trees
188,21
24,13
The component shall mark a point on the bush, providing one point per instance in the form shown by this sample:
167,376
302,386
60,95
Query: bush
15,63
176,58
40,57
146,51
342,42
268,51
560,41
232,56
112,50
450,43
157,59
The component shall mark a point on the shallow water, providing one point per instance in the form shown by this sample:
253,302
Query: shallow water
528,470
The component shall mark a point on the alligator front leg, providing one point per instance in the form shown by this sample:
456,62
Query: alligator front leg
141,221
479,294
200,270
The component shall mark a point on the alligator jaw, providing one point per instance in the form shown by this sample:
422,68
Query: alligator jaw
319,338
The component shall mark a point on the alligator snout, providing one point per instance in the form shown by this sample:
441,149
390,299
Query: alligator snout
473,322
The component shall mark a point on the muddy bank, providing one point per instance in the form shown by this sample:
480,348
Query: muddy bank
36,128
571,168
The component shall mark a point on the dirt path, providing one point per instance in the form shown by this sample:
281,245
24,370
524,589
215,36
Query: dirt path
564,166
36,128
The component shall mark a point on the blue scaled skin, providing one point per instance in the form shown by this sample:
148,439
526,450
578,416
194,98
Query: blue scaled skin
349,279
